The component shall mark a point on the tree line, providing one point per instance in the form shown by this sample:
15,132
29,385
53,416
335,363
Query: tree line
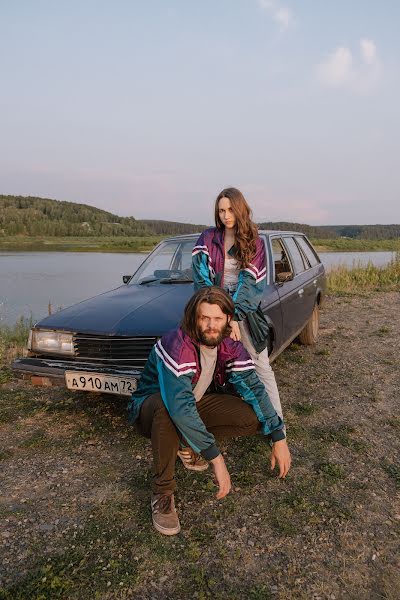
331,232
30,216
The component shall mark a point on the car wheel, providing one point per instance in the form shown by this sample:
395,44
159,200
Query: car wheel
309,334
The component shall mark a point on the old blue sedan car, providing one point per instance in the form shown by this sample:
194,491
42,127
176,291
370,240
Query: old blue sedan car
101,344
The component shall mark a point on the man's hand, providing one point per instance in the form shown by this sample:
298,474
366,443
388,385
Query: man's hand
222,476
235,333
281,455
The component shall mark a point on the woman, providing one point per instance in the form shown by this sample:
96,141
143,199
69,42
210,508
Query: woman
232,255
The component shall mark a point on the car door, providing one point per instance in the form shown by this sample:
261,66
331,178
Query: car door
296,292
316,272
270,303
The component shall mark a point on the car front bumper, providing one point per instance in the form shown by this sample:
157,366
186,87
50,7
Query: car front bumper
53,370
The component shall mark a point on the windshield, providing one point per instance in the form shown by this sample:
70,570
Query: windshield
171,262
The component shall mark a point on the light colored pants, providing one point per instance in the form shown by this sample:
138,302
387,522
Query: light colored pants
263,368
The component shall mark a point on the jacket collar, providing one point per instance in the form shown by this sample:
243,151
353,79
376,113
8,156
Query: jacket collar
219,238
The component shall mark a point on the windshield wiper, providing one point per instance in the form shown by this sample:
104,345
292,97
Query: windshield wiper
172,280
168,280
149,280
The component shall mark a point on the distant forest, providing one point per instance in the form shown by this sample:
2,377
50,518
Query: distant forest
29,216
330,232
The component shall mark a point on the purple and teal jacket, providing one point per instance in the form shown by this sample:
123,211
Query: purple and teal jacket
173,369
208,261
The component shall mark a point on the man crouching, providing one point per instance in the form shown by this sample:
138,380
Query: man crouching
198,385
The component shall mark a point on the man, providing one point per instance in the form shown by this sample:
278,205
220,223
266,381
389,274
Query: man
198,385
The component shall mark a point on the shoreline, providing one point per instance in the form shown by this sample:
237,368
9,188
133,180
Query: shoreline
147,244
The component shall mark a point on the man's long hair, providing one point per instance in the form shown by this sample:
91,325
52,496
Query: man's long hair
246,231
211,295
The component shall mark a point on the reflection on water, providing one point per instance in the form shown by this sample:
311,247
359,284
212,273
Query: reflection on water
30,281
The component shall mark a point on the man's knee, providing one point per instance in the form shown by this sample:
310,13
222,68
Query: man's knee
152,408
250,423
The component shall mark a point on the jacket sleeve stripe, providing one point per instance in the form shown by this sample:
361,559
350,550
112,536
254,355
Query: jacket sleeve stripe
247,368
166,358
258,272
258,275
240,362
198,249
171,368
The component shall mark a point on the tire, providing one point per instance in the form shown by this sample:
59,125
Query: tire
309,335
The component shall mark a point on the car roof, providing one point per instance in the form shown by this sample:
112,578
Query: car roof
189,236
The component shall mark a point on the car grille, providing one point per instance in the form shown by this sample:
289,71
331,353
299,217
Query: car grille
118,351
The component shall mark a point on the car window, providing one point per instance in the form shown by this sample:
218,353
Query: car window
308,250
183,256
282,266
296,256
171,260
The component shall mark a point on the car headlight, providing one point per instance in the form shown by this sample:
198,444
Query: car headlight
51,341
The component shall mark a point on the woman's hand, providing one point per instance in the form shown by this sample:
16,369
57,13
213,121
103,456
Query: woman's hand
235,333
281,455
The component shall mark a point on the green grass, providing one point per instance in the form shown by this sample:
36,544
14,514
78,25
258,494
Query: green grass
13,341
343,435
5,375
81,244
5,454
351,245
394,422
313,500
393,470
382,331
36,440
364,279
304,408
147,243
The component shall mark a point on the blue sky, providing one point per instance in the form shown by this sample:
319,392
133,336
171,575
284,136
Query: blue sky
150,108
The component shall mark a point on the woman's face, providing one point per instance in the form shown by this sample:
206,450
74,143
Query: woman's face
225,213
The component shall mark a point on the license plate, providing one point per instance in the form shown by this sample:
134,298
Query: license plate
97,382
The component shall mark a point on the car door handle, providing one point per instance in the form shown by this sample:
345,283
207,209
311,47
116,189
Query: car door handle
301,292
315,282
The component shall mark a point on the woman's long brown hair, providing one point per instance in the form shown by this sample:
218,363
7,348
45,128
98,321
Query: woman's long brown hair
246,231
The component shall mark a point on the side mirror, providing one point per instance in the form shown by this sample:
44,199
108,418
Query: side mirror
126,278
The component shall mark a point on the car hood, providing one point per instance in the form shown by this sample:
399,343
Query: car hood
131,310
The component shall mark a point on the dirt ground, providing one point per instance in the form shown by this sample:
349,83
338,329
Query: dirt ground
75,518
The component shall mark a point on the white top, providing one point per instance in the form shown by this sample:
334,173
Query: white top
231,274
208,360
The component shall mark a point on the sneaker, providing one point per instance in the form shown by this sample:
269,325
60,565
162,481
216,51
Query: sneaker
165,517
191,460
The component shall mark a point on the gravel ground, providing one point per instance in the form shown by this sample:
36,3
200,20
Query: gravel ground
75,520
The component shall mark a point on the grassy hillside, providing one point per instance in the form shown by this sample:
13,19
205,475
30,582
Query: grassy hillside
34,217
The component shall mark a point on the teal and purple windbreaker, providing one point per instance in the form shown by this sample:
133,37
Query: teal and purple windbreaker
208,258
173,369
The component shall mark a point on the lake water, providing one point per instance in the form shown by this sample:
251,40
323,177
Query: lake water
29,281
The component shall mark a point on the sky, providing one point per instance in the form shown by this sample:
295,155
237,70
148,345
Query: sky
150,108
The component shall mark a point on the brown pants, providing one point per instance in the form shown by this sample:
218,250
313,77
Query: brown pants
224,416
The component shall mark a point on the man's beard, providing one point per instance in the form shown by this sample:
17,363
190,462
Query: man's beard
211,342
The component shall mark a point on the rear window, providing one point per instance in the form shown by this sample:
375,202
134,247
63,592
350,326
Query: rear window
308,250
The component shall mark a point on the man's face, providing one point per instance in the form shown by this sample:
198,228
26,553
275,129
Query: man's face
212,324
